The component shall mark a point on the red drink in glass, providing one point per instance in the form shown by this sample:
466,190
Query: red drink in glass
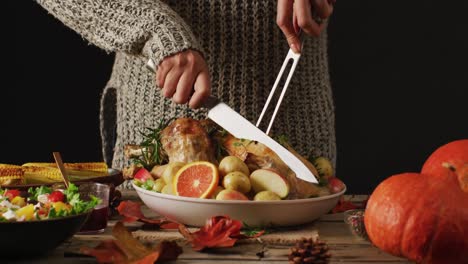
97,221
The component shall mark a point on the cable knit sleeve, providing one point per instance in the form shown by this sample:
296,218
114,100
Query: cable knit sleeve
142,27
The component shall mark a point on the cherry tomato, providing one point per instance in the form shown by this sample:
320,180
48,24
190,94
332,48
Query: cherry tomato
11,193
56,196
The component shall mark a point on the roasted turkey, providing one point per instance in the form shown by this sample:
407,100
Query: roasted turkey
186,140
258,156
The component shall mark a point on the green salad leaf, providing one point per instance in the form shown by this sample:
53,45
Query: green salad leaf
72,205
61,213
52,213
35,192
78,205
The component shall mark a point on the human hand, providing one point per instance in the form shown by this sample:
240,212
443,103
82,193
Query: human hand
182,74
296,15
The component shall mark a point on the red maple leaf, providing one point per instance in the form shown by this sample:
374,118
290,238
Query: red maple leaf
131,211
344,205
219,231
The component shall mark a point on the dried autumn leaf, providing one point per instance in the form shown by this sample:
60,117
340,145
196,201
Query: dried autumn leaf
131,211
219,231
168,225
344,205
106,252
126,249
168,250
131,246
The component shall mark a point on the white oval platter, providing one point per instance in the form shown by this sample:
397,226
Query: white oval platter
195,211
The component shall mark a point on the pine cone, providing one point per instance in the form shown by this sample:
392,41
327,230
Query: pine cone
309,251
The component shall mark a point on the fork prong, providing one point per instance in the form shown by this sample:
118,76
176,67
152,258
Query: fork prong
272,92
295,58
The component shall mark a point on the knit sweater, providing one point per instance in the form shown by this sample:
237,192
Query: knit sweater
244,50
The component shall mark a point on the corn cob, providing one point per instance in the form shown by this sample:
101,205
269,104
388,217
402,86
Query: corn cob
2,165
81,166
42,174
39,164
87,166
11,175
75,171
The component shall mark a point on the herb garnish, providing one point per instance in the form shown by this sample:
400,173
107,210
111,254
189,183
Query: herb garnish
217,135
254,230
152,150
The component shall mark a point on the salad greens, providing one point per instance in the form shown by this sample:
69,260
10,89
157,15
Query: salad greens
35,192
79,206
42,203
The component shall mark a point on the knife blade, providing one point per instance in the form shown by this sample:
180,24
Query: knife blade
240,127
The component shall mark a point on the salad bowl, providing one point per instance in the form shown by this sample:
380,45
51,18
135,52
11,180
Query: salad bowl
32,238
39,220
195,211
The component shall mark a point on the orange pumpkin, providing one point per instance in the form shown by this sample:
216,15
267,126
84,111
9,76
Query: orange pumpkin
423,217
453,154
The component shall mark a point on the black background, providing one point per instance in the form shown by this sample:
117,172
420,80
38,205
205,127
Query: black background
398,71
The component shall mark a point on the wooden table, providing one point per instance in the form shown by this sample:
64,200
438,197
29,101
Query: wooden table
344,247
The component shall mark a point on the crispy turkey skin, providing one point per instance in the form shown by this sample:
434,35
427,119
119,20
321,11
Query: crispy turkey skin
256,156
186,140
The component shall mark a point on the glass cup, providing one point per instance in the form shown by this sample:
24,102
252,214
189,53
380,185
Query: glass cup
355,220
97,221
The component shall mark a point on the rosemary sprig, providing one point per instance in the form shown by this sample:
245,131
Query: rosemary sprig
217,135
152,150
253,230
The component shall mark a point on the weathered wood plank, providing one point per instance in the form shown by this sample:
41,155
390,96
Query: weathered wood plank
340,253
208,261
275,254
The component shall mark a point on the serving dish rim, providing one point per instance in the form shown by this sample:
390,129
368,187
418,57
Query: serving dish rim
246,202
46,220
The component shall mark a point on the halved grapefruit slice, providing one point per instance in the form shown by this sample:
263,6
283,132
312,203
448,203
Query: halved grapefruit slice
196,179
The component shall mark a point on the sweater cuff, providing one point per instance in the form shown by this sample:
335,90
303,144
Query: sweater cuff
166,42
